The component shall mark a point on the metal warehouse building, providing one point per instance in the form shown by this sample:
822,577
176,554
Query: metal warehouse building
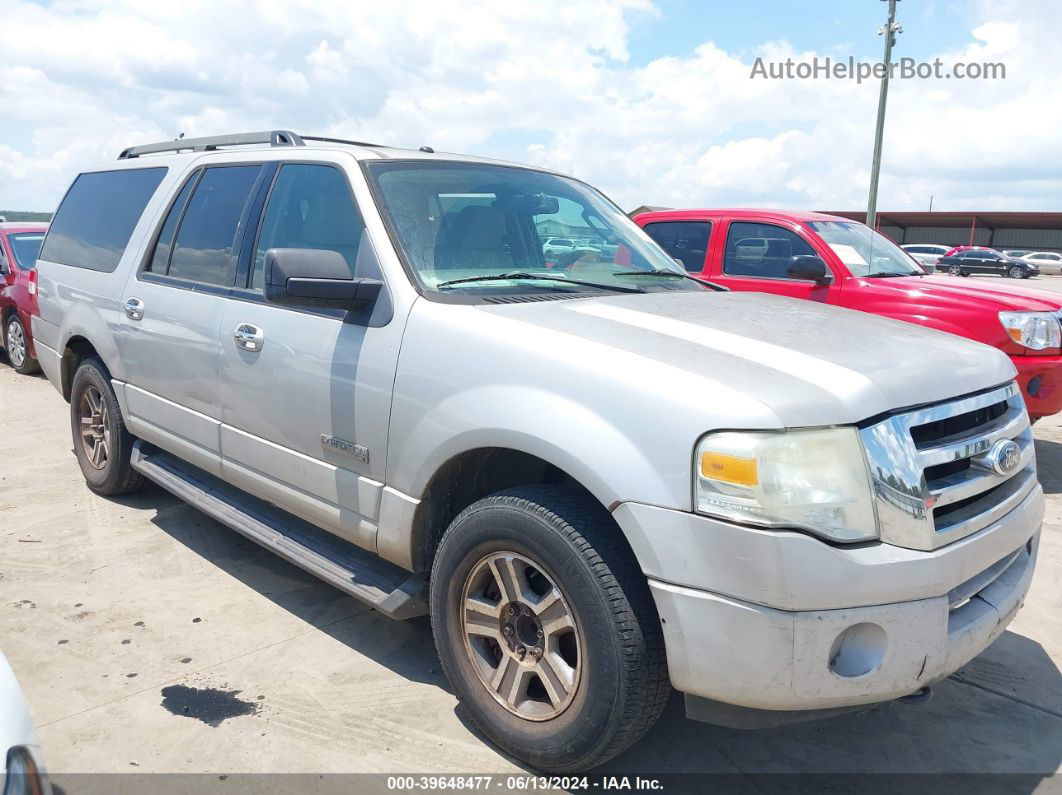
999,230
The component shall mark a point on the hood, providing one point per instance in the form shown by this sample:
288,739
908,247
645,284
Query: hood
947,291
810,363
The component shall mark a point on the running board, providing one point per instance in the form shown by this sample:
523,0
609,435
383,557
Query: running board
386,587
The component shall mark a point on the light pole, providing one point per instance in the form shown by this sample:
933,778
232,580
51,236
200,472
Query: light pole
889,32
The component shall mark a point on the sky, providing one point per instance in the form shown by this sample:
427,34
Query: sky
650,100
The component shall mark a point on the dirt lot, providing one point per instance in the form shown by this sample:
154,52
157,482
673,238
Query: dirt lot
149,638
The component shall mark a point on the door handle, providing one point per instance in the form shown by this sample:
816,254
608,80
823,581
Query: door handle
134,308
248,337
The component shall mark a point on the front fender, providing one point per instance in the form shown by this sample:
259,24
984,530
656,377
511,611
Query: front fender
926,321
570,435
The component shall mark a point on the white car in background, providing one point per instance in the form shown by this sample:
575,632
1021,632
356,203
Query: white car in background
1047,261
558,245
927,253
24,773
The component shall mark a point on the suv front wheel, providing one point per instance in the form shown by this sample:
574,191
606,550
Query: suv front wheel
546,628
102,443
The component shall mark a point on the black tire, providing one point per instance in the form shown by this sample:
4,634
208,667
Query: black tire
955,270
622,685
16,343
1017,273
113,475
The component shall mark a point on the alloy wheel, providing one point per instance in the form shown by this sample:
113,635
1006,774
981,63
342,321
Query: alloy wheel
1016,272
521,636
96,427
16,343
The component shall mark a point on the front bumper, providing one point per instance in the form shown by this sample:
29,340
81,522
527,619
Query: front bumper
1040,379
768,627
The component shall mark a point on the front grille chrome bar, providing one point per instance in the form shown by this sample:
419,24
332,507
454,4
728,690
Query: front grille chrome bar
962,485
934,491
976,441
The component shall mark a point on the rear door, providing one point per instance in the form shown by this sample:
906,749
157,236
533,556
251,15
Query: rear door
685,241
173,306
758,256
305,410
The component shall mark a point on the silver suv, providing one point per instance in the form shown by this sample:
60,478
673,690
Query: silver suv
601,478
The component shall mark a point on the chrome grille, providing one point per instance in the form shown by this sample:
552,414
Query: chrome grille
939,473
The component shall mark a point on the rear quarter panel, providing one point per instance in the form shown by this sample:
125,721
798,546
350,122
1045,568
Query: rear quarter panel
78,302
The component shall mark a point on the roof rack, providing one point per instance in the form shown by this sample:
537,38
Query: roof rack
338,141
212,143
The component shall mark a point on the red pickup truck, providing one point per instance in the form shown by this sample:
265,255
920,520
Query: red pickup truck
837,261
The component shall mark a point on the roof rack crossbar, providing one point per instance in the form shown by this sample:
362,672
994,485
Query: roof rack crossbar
210,144
338,141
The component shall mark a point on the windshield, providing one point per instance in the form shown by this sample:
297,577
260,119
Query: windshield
26,247
456,222
863,251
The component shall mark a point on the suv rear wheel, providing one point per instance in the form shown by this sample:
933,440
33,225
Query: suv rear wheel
546,628
17,347
102,443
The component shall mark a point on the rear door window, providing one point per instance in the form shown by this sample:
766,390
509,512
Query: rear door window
204,247
686,241
160,259
93,224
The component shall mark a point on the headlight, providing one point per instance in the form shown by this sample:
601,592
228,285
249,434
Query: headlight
815,480
1035,330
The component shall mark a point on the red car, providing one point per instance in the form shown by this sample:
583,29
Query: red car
20,243
838,261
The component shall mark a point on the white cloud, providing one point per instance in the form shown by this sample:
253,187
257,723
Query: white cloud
546,82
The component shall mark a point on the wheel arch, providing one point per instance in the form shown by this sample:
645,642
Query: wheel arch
76,350
471,475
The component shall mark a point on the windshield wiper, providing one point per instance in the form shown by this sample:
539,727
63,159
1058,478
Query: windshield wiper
674,275
512,275
890,274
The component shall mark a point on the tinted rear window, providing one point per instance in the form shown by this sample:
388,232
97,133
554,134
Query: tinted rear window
26,247
203,249
686,241
92,226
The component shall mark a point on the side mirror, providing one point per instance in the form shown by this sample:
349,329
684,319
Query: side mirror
316,278
810,268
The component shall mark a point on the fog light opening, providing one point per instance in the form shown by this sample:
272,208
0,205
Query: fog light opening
1033,387
858,650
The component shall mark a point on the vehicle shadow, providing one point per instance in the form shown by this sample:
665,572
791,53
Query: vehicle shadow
987,722
404,647
6,362
1001,715
1049,465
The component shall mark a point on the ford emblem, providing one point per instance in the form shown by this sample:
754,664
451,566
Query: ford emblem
1004,456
